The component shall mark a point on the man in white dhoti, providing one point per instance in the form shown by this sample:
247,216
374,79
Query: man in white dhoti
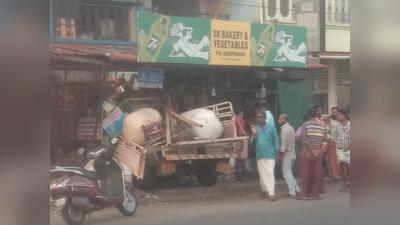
267,145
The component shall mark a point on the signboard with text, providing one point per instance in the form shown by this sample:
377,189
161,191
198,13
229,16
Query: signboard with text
150,78
84,131
168,39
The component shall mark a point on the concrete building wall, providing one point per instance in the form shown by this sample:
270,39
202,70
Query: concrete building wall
338,38
337,20
220,7
343,94
240,12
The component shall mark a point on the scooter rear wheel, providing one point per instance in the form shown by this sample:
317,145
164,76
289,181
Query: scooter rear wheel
129,207
73,215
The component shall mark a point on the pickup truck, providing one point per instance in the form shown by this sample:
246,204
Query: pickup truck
168,156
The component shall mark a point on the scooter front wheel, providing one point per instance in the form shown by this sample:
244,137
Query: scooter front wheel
73,215
129,207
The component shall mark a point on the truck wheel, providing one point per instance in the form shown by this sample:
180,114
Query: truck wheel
205,172
149,180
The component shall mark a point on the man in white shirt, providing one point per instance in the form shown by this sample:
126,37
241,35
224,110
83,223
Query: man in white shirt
342,139
270,119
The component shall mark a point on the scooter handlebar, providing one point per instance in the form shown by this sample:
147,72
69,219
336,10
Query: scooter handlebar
95,154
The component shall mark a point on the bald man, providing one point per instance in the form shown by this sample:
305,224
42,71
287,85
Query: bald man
287,155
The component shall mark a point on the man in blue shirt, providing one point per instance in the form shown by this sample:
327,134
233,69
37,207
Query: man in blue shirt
267,145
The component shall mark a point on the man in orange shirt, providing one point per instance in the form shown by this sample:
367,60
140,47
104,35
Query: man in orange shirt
320,117
331,126
243,153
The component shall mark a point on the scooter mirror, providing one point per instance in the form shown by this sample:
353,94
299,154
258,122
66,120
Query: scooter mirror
114,141
81,151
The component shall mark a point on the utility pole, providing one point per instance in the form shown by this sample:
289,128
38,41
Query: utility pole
322,25
261,11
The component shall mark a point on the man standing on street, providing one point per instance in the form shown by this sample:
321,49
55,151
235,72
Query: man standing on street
242,155
314,143
319,117
299,142
343,145
267,144
331,126
288,155
325,170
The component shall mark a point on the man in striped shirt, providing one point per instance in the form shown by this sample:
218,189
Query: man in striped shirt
314,145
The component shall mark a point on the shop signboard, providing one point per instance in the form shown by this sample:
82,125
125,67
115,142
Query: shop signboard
168,39
84,131
150,78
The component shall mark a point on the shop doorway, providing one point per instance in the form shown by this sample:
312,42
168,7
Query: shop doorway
294,98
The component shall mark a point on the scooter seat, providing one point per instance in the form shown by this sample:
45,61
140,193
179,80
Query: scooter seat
90,174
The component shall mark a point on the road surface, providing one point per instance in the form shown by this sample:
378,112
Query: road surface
333,209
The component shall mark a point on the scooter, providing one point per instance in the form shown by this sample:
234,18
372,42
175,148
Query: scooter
78,192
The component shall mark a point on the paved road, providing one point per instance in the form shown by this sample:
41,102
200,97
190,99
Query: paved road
334,209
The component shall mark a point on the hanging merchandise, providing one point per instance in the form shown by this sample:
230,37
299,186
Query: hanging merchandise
213,92
263,92
228,83
89,112
107,106
67,100
180,89
189,102
117,91
135,86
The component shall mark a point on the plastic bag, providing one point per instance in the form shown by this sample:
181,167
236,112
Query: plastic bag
133,124
343,157
212,127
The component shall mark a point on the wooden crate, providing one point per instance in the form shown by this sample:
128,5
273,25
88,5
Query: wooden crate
225,114
131,154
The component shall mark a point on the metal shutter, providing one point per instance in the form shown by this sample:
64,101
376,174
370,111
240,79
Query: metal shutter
343,72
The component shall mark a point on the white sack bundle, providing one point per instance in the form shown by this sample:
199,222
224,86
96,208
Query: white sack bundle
212,127
132,128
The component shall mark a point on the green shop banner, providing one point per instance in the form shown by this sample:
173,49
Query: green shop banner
168,39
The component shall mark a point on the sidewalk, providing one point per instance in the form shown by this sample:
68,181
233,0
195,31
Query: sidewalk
220,190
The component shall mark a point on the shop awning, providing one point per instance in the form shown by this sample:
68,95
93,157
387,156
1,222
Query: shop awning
114,53
334,55
111,53
317,66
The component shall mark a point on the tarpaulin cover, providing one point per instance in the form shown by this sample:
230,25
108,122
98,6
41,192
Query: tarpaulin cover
294,99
